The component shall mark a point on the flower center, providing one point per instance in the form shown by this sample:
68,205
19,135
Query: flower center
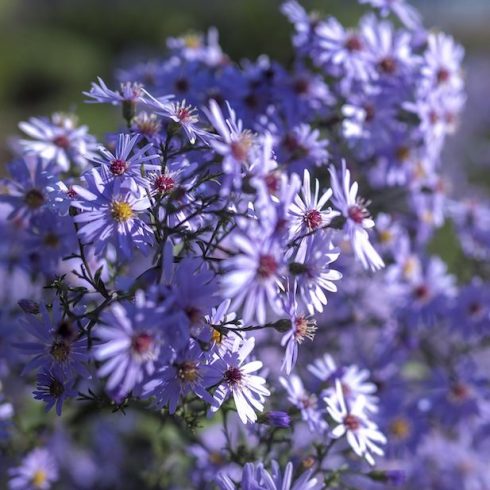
188,372
51,240
267,266
39,478
443,75
186,114
142,343
421,292
475,309
357,213
400,428
387,65
304,329
460,392
34,198
182,85
233,376
385,236
313,219
402,153
301,86
118,166
352,422
272,182
56,388
241,146
62,141
60,350
164,184
353,43
71,193
121,211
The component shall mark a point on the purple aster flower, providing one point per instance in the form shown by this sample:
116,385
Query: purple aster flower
109,216
306,402
121,164
308,210
38,471
58,343
442,63
305,24
354,381
252,277
234,143
236,377
53,388
26,193
277,418
128,92
255,476
186,374
404,11
362,434
354,209
58,140
131,342
312,273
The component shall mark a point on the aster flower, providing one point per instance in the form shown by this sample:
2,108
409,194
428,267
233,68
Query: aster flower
312,273
354,209
57,342
252,277
53,389
128,93
186,374
308,208
131,342
362,434
234,143
236,376
58,140
306,402
354,381
38,471
121,165
255,476
109,216
26,192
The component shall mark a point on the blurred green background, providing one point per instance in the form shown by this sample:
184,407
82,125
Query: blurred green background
50,50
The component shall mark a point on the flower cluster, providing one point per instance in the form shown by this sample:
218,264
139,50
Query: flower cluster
242,222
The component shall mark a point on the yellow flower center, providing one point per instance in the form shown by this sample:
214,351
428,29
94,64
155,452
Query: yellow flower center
121,211
400,428
217,336
39,478
385,236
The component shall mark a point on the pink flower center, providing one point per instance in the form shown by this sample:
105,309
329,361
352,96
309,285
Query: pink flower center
357,213
71,193
352,422
313,219
443,75
62,141
272,182
118,167
353,43
267,266
164,183
421,292
387,65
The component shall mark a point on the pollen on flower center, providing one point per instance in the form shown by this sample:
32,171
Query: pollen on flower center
400,428
233,376
357,213
188,372
267,266
118,166
352,422
34,198
39,478
121,211
164,184
387,65
403,153
51,240
313,219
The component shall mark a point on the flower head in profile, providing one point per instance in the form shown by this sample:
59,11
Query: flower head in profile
248,390
358,220
38,471
53,388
